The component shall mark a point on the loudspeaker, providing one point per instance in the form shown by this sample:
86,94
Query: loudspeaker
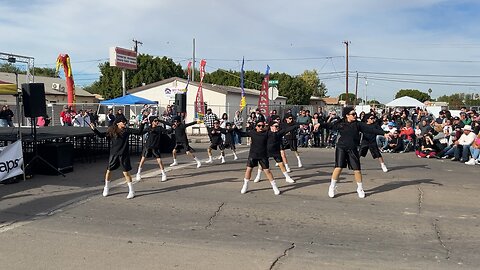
181,102
59,155
34,104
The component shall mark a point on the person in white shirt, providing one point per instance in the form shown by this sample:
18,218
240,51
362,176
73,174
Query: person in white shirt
462,151
78,121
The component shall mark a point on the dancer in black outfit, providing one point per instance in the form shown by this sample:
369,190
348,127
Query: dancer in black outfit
229,141
118,133
216,142
152,147
181,139
258,156
274,143
346,148
369,142
289,141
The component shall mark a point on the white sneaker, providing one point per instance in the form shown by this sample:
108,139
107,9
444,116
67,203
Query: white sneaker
105,191
276,191
209,160
164,177
289,180
384,168
199,164
244,188
131,194
235,157
331,191
174,164
300,164
138,177
287,168
471,162
361,193
219,157
223,160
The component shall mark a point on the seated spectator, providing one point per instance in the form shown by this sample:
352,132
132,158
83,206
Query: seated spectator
394,144
427,149
475,152
408,134
383,140
303,135
461,152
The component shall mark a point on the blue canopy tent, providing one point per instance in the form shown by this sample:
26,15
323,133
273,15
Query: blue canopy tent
127,100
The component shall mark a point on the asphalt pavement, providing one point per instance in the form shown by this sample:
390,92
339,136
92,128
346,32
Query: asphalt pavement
422,214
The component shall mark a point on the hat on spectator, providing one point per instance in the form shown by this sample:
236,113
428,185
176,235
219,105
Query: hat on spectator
152,119
176,119
347,110
467,127
456,118
391,124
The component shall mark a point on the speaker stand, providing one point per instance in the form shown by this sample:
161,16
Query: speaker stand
35,150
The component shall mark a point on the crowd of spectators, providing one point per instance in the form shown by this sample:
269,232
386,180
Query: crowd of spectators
454,137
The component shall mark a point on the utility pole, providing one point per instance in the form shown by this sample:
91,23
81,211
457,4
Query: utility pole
356,91
135,44
346,76
193,61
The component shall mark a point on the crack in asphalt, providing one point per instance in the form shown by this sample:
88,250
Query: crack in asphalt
210,221
420,199
285,253
439,237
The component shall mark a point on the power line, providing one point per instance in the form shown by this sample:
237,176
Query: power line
416,59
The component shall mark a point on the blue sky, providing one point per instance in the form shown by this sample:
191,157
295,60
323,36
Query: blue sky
435,42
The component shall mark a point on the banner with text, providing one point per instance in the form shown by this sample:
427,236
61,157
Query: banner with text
11,160
263,98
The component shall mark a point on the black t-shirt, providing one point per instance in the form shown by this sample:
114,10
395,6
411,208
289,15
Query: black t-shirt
119,144
154,136
349,133
180,130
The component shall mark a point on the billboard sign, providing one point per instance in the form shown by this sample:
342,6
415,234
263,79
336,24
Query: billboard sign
123,58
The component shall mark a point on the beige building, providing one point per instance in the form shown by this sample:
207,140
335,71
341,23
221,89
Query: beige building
55,89
221,99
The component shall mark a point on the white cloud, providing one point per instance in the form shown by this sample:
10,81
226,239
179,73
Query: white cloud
228,30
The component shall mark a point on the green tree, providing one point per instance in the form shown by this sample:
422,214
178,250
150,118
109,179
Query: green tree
351,98
10,68
416,94
312,80
46,72
149,70
373,102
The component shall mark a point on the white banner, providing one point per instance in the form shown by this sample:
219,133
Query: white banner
11,160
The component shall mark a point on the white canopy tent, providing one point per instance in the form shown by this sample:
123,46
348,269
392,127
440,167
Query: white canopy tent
405,102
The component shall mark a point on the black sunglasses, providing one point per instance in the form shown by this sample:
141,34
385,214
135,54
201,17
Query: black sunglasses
260,125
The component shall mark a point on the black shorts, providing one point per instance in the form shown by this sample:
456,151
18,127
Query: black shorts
277,158
215,146
289,144
374,151
151,152
253,162
116,161
180,146
347,157
229,146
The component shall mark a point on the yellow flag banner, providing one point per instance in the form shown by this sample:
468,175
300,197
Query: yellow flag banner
7,88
